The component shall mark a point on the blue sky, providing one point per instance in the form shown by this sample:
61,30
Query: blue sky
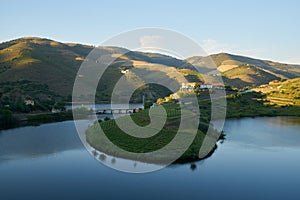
262,29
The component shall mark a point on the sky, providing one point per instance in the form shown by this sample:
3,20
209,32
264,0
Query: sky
261,29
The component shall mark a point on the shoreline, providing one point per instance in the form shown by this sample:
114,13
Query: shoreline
28,119
36,119
47,118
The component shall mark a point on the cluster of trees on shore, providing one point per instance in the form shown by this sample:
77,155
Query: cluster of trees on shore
7,119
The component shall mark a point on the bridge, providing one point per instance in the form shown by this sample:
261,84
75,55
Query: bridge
99,111
110,108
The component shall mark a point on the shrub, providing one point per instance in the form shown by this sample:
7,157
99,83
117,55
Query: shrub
106,118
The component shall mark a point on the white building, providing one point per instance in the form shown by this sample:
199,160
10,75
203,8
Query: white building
218,87
29,102
188,86
124,71
206,86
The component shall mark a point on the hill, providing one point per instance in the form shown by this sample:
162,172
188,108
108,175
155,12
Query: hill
44,70
225,61
42,62
232,68
247,75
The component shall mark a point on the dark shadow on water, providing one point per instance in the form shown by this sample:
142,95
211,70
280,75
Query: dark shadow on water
193,167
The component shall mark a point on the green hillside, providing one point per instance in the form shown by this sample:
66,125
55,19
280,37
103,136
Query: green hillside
222,59
41,61
274,99
247,75
44,70
235,72
285,93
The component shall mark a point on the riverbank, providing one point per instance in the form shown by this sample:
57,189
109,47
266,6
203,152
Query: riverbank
255,105
34,119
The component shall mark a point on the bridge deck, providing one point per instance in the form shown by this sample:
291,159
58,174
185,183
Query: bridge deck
119,110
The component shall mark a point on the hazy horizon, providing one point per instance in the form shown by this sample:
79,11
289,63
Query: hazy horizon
265,30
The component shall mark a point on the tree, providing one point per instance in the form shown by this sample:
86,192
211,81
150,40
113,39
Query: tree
282,79
238,94
59,106
7,119
148,103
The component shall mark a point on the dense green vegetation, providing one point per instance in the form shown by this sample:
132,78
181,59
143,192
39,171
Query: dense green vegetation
283,93
56,117
254,105
14,94
50,117
142,145
7,120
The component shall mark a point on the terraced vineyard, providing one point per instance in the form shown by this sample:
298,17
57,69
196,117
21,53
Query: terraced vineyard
285,93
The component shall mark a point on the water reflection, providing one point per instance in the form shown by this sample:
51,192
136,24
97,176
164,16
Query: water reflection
264,133
258,133
117,162
193,167
250,164
102,157
283,121
38,140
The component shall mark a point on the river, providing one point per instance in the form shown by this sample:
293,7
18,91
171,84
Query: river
258,160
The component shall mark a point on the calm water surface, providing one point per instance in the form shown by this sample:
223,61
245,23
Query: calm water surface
260,159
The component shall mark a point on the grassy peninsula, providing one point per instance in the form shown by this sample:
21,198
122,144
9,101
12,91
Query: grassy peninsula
143,145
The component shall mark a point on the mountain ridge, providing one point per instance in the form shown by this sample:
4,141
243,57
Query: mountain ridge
49,69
